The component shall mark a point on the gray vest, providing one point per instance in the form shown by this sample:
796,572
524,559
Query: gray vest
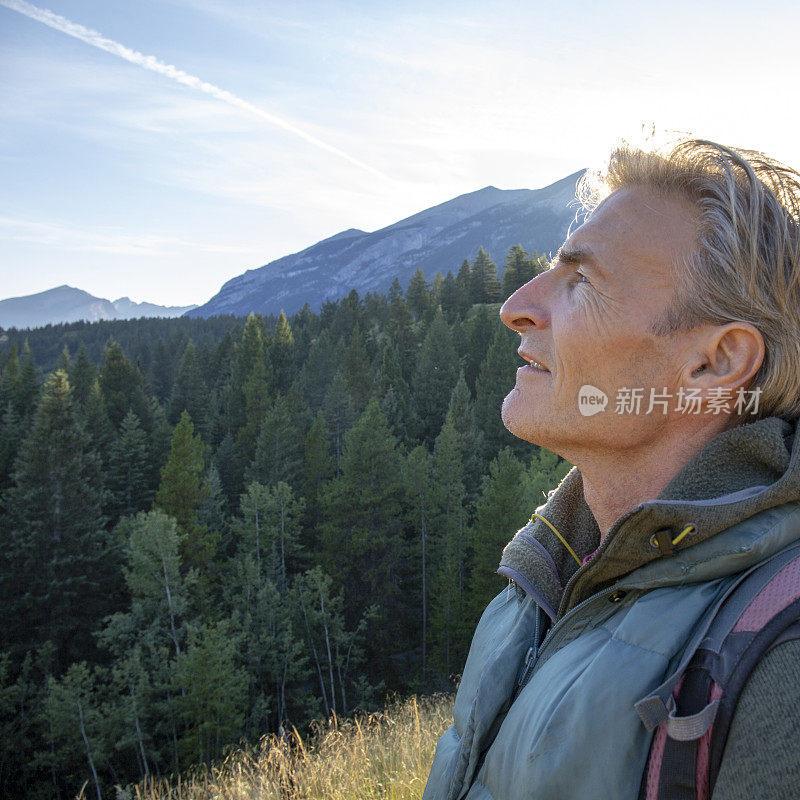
554,718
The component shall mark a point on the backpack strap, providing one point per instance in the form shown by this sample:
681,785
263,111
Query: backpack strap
757,612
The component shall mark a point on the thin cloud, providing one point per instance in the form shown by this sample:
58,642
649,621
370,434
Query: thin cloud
153,64
66,237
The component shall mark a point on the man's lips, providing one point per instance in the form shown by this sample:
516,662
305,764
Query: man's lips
535,363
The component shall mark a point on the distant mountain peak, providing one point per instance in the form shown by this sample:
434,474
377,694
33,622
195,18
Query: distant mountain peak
68,304
435,239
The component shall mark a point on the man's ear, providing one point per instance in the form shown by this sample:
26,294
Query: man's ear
728,357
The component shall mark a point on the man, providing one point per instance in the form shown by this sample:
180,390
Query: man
663,350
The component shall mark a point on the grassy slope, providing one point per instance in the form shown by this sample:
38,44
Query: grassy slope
384,755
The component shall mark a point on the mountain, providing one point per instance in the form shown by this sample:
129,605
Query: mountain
437,239
67,304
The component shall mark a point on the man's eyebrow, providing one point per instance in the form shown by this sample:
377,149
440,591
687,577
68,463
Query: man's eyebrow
577,255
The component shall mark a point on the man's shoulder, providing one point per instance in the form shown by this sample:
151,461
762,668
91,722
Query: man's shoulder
760,758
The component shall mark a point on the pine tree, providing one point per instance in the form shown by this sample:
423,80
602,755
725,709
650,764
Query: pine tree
269,530
316,374
394,395
484,283
279,447
503,508
55,585
518,270
317,468
181,492
334,646
161,371
448,534
436,374
249,387
400,332
282,353
461,414
453,298
189,392
417,480
212,705
418,295
361,531
357,371
74,713
495,381
127,473
339,413
82,377
122,387
27,389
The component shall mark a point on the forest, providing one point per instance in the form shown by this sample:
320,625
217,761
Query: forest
217,529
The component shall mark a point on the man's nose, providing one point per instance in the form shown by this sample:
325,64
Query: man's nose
527,307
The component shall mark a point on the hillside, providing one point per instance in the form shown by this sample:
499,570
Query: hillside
439,238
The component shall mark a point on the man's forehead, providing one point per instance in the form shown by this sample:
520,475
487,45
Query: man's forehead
634,227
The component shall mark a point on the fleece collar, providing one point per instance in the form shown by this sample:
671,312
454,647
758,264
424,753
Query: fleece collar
740,472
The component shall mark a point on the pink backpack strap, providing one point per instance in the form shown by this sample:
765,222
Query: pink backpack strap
691,725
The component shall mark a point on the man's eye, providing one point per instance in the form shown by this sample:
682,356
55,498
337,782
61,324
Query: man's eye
579,277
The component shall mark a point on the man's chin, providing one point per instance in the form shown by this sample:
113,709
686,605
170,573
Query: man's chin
520,422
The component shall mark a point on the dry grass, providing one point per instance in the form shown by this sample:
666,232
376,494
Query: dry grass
385,755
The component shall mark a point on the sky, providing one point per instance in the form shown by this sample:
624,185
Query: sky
155,149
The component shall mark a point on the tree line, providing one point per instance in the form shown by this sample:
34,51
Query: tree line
214,536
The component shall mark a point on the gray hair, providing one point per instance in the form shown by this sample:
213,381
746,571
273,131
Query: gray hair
746,265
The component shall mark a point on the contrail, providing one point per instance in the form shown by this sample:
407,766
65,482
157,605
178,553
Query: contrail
97,39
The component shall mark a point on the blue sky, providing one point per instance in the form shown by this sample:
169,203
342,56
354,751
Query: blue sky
121,180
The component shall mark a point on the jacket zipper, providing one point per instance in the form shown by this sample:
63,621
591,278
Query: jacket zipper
532,656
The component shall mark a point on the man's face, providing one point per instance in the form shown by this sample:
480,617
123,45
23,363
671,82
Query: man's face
587,321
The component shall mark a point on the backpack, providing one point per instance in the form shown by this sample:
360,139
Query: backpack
691,711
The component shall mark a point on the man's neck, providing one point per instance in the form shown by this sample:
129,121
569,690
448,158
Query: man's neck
616,482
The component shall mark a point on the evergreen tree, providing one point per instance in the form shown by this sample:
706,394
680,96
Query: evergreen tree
317,468
82,377
453,298
316,374
127,473
495,381
335,648
339,413
249,386
181,492
269,530
418,295
518,270
484,283
394,395
55,584
27,389
503,508
436,374
282,354
479,332
161,371
357,371
461,414
122,387
362,525
279,448
448,525
189,392
212,704
399,330
76,724
230,472
417,479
